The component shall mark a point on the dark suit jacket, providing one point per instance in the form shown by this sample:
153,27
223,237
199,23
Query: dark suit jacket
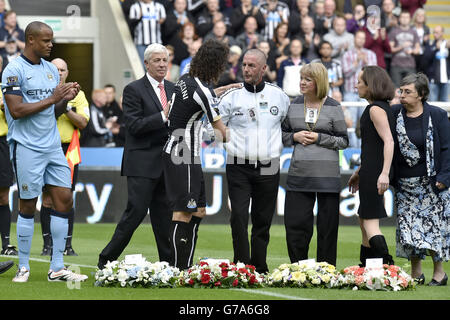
145,131
441,140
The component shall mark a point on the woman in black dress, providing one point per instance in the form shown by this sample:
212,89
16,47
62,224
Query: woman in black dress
377,148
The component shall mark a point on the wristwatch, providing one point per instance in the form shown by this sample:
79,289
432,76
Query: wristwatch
68,108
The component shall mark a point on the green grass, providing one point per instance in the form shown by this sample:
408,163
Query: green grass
214,242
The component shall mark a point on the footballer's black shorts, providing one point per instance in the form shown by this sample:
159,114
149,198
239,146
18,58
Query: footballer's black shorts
185,187
6,171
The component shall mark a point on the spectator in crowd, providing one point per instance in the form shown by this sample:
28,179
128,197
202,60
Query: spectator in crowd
310,39
270,74
299,12
274,12
193,48
114,115
333,66
195,7
11,30
97,133
373,176
388,14
11,51
346,8
357,19
147,16
279,44
352,63
219,33
231,73
404,44
240,15
288,77
2,12
412,5
182,41
250,37
208,18
340,38
314,170
173,70
377,39
326,23
437,65
176,18
319,16
422,180
423,32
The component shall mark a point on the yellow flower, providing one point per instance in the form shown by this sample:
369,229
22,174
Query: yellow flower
298,276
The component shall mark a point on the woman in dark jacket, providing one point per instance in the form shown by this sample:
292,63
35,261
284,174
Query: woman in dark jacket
422,179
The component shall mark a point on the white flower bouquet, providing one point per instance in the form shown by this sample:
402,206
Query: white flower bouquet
137,273
390,278
304,274
212,273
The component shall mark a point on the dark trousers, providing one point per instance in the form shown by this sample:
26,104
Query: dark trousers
299,224
143,194
244,182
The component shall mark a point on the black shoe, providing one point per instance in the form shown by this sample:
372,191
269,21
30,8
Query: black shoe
364,253
70,252
443,282
10,251
46,251
420,280
380,249
5,266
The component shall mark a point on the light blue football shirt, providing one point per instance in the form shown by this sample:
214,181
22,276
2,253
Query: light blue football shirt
34,82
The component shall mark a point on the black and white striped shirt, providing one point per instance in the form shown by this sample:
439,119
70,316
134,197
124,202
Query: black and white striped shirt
274,17
193,99
148,31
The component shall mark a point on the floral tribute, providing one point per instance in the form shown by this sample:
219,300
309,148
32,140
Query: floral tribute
140,273
212,273
304,274
390,278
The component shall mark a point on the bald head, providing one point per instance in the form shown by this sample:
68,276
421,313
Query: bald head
63,71
260,55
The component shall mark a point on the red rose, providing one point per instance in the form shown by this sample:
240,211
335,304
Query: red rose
191,282
235,282
218,284
206,278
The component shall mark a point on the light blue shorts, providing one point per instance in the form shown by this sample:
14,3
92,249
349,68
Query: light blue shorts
35,169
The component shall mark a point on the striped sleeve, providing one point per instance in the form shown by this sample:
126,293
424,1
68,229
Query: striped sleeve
206,98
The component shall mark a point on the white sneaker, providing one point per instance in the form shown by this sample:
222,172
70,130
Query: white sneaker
21,275
65,275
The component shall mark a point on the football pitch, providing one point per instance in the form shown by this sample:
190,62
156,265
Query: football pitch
214,242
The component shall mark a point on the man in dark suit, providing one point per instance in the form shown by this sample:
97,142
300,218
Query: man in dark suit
145,107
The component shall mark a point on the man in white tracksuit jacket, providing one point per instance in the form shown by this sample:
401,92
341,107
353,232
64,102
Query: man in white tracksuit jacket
254,114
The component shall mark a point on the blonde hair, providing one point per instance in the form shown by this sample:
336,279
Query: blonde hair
319,74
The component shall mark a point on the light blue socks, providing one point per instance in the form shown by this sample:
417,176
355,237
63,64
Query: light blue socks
59,225
25,230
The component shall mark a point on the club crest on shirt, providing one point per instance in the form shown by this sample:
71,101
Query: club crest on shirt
24,187
50,76
274,110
